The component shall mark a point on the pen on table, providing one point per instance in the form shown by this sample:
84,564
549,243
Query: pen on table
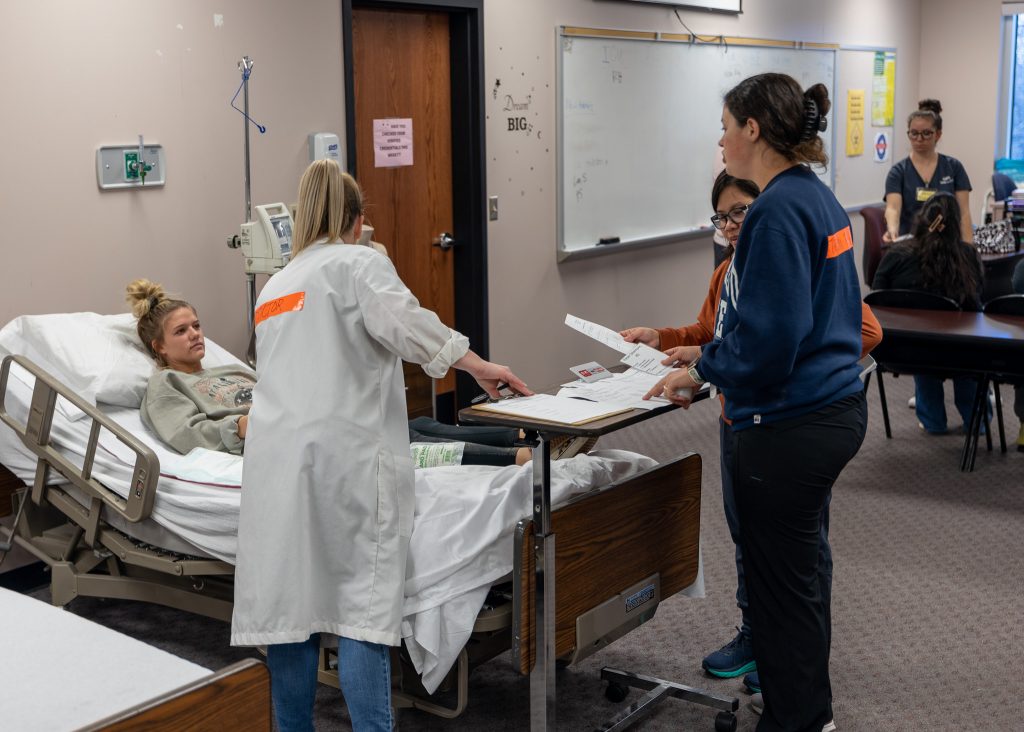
485,397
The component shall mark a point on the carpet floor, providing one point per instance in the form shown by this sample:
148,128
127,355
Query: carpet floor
927,631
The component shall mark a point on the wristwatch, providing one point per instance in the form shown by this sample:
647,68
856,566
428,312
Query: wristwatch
694,374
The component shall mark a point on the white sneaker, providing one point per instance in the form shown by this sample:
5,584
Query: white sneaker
757,703
912,403
757,707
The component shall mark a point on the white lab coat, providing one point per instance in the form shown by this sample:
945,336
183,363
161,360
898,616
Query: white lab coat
327,484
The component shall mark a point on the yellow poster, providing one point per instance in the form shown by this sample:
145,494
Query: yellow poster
883,89
854,137
854,122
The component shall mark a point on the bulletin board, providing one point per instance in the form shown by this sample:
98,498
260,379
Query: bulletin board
639,121
860,179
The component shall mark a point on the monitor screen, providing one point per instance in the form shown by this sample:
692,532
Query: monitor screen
282,226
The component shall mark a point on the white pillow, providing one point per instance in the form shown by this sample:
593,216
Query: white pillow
99,356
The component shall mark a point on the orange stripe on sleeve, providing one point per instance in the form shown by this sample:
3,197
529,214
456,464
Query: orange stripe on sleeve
840,242
284,304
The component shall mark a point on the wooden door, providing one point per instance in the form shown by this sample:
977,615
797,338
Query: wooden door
401,69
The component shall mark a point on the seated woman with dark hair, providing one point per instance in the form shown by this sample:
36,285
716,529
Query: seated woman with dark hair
936,261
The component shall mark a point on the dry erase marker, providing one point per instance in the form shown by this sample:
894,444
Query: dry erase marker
609,240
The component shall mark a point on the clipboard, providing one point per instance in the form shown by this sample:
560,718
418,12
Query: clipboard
516,407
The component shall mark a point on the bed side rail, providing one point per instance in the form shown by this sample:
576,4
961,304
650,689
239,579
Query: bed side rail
636,541
35,434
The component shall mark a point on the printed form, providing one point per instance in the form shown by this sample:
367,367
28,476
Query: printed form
637,355
626,389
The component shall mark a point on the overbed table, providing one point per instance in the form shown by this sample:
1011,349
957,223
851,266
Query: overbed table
542,677
933,342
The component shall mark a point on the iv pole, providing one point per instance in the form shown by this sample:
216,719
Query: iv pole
245,66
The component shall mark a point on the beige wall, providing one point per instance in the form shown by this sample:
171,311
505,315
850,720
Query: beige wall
960,53
83,73
162,68
529,292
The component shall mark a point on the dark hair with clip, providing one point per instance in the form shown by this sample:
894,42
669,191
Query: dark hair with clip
790,120
946,265
930,109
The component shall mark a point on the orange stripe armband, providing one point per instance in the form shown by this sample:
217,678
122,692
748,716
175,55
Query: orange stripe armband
284,304
840,242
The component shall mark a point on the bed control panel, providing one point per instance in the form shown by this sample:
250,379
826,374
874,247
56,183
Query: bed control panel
616,616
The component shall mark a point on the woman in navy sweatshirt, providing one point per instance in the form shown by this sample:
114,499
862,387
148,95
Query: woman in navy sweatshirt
784,354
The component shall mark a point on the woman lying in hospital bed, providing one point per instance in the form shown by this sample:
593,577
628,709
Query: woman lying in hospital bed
189,406
464,515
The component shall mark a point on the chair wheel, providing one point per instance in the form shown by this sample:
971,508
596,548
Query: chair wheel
725,722
616,692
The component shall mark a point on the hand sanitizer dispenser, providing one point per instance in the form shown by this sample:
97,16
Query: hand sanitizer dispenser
324,145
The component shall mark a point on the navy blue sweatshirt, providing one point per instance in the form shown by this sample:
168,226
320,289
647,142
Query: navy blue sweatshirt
788,329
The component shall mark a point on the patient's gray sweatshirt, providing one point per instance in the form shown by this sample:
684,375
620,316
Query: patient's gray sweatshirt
199,410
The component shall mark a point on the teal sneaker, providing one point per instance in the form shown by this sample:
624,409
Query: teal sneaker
733,659
752,682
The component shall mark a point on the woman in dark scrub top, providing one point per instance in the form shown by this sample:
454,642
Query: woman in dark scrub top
916,178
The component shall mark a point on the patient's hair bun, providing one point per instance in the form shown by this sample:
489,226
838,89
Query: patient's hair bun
144,296
930,105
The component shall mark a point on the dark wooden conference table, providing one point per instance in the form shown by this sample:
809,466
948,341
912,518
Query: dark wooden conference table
942,343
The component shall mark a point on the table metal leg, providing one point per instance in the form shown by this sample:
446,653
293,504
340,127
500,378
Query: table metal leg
971,439
659,690
999,417
885,406
542,676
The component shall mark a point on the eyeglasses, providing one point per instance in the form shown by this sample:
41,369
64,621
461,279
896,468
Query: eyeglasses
735,215
920,134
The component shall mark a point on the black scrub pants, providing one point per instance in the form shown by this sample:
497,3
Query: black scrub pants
783,473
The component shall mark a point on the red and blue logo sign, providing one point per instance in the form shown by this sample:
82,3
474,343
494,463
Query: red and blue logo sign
881,147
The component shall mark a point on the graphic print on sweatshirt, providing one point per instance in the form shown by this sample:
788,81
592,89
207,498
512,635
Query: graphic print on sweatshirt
231,390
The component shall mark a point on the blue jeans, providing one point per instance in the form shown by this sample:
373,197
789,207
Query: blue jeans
363,668
725,440
931,401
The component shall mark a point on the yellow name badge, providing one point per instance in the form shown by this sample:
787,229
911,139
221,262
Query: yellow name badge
923,194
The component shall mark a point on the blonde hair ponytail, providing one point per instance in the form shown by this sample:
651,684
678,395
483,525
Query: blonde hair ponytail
330,201
151,305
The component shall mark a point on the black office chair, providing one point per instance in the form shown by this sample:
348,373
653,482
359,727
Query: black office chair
1005,305
901,299
1002,186
874,229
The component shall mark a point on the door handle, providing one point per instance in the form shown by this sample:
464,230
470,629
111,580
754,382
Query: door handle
444,240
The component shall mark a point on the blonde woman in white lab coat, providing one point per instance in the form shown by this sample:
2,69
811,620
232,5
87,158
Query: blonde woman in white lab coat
327,490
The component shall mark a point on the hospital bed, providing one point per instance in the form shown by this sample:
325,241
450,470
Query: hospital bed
109,519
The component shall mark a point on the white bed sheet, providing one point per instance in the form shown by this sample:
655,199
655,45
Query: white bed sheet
462,530
98,671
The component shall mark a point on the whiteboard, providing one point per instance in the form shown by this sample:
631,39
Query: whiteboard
639,123
860,181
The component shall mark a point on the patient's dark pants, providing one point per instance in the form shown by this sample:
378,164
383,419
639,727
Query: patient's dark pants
783,475
484,445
